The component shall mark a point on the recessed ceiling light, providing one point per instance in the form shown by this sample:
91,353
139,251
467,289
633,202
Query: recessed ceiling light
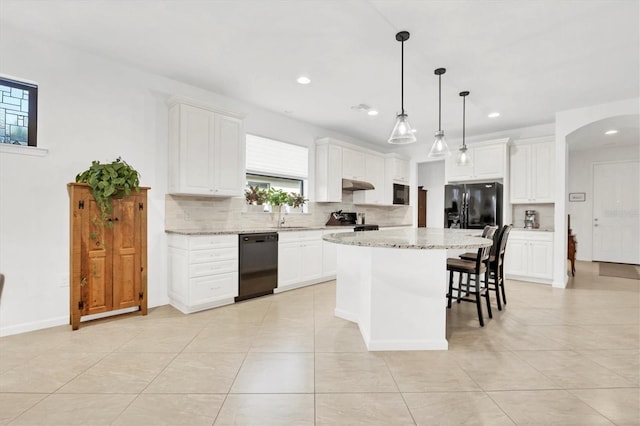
494,115
372,112
303,80
610,132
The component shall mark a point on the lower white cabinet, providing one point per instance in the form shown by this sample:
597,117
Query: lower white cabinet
203,271
529,256
330,254
299,259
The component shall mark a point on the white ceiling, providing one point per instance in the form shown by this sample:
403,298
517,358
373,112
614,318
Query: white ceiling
525,59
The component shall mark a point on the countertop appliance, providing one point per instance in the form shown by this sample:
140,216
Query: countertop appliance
400,194
531,219
359,228
473,205
258,269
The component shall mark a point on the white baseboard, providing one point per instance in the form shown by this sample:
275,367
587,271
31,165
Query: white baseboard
33,326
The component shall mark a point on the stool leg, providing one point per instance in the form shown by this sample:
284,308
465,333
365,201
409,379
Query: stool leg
449,294
496,282
488,294
504,297
459,286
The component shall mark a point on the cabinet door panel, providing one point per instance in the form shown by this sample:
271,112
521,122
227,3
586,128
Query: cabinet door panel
520,173
353,164
289,264
542,189
126,253
456,173
541,259
516,260
196,150
229,157
488,162
311,260
96,273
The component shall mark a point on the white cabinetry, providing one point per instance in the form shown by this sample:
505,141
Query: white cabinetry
353,164
329,253
203,271
532,170
206,151
396,170
529,256
374,174
328,177
488,162
299,259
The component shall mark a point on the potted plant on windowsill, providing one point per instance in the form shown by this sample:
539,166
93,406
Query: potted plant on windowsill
108,181
256,198
296,201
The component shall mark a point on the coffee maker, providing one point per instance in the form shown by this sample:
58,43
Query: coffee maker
531,219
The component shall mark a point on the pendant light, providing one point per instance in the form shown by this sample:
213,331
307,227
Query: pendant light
463,157
402,132
439,147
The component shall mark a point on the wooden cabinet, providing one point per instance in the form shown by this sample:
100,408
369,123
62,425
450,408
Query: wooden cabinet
299,259
488,162
206,151
353,164
108,263
374,174
202,271
328,177
529,256
532,171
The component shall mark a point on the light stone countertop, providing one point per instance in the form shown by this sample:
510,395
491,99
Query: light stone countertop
414,238
263,230
532,229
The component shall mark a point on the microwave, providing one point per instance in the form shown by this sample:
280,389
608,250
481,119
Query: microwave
400,194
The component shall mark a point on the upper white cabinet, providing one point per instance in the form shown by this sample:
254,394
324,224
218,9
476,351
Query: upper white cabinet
374,174
328,177
396,170
488,162
206,151
532,170
353,164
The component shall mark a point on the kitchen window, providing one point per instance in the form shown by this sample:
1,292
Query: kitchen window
276,164
18,112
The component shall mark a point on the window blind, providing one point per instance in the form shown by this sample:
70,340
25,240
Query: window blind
275,158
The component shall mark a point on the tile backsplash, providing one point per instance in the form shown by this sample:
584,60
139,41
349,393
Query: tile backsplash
545,214
216,214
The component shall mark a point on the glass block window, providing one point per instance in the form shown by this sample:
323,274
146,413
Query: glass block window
18,112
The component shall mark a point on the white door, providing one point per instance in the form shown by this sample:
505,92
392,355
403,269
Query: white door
616,212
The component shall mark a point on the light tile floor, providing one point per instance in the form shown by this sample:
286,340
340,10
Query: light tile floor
565,357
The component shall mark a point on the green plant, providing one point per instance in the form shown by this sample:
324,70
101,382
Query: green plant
277,197
255,195
295,199
109,180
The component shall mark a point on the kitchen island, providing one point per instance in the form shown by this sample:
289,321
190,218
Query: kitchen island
393,284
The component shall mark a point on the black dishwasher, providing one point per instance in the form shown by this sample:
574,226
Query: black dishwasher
258,272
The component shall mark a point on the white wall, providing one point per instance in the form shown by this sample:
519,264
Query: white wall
431,178
90,109
580,179
568,122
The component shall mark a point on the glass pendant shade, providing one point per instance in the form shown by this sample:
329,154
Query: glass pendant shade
463,159
402,132
439,147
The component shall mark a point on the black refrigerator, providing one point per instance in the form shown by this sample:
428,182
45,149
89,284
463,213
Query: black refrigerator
473,205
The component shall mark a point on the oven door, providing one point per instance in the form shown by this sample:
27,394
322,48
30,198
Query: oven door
400,194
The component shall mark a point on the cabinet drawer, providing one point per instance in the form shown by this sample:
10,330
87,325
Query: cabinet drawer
213,255
213,287
293,236
212,241
210,268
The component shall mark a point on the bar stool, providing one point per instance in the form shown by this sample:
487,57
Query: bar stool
472,289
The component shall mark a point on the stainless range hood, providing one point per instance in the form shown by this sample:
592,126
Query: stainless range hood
355,185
